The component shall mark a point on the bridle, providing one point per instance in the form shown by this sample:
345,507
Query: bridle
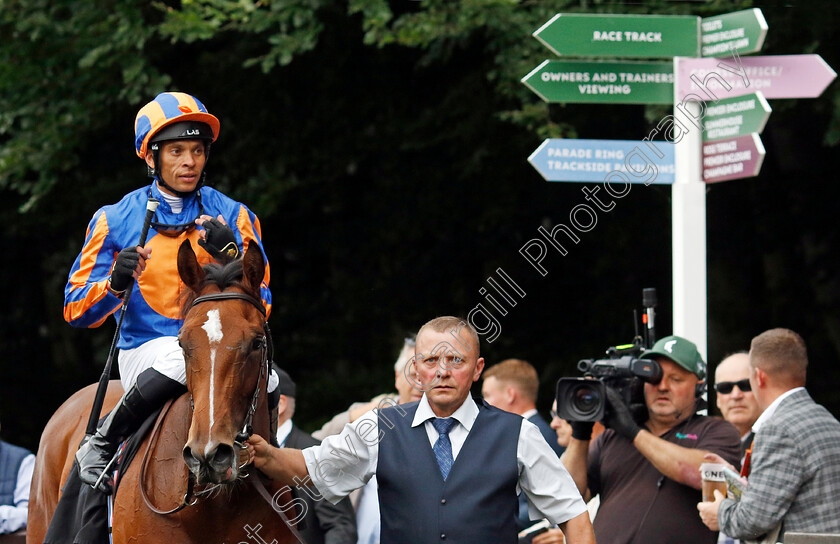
191,497
245,433
267,357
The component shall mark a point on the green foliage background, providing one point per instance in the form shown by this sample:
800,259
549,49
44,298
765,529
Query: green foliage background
383,145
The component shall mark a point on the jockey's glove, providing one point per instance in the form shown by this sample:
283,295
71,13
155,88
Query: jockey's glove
124,267
220,242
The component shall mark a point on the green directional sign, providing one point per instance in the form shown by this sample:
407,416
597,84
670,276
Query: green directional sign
603,82
734,117
743,31
650,36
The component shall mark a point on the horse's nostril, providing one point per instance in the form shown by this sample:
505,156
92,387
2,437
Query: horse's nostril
190,459
221,457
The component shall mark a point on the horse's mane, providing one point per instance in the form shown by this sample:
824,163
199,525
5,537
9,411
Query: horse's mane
223,276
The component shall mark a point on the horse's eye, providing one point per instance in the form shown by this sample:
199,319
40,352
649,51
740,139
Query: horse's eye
258,343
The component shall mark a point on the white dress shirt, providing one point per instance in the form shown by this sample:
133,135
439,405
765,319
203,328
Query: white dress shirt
345,462
283,431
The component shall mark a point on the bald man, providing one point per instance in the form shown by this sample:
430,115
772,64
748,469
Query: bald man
734,395
448,469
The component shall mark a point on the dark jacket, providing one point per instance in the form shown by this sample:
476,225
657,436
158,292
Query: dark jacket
11,458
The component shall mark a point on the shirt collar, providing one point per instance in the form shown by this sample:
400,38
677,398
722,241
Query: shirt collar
465,414
529,413
283,431
768,413
159,195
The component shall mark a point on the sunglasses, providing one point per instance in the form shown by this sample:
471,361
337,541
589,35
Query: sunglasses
724,388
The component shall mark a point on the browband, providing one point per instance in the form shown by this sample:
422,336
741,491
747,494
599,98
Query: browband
231,295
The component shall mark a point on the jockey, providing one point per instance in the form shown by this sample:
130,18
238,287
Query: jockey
173,134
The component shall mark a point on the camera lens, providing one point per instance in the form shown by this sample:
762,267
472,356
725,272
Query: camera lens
586,399
580,399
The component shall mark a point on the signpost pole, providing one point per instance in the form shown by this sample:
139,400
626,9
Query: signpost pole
688,230
737,116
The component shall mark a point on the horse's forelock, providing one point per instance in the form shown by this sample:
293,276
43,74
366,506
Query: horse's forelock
229,275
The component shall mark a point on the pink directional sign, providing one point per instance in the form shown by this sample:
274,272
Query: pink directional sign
777,76
732,159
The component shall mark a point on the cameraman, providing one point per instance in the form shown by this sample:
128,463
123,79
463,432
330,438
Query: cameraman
648,477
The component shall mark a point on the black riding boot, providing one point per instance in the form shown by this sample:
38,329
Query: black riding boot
150,391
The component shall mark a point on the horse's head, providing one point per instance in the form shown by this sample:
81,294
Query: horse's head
225,349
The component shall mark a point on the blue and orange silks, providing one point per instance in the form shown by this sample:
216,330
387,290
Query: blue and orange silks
154,309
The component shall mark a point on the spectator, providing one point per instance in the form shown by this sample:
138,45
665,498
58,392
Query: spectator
562,428
737,404
512,386
405,393
735,398
794,473
648,477
426,493
16,465
331,523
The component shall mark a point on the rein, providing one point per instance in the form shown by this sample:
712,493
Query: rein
191,497
188,496
268,356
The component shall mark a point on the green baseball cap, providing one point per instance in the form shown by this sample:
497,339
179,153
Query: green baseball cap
681,351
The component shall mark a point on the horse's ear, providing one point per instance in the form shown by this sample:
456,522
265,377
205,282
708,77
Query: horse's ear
253,266
188,268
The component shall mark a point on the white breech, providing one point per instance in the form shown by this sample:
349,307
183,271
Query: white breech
164,355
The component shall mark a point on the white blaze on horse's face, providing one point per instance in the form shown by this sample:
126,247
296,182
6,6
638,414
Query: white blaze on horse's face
213,327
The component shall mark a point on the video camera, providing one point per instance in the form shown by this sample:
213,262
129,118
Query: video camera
584,399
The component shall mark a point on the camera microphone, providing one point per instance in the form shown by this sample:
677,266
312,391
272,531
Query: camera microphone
649,303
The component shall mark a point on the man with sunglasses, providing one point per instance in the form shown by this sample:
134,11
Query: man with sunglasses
735,398
173,134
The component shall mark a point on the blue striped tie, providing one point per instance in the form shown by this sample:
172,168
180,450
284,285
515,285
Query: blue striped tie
443,447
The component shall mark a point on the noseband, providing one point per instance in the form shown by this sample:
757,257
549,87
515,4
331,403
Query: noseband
268,355
267,358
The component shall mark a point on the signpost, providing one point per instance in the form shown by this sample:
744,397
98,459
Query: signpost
603,82
743,31
648,36
777,76
560,159
734,158
733,117
732,89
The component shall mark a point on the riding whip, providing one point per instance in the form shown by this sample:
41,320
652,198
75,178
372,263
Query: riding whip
102,388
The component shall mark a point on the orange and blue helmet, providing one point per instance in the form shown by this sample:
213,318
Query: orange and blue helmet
168,109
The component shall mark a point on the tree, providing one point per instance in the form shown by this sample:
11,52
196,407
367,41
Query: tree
383,146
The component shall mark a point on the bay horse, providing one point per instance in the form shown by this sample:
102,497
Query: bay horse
198,438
